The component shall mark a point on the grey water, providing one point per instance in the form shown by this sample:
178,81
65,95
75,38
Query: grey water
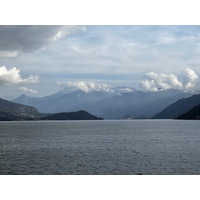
100,147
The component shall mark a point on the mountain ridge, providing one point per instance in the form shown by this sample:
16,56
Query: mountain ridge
10,111
79,115
179,107
14,111
106,105
192,114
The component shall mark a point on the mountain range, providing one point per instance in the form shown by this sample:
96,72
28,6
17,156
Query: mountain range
107,105
134,104
10,111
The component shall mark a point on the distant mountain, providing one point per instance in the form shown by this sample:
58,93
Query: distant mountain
13,111
113,105
62,102
179,107
10,111
194,113
137,104
80,115
23,99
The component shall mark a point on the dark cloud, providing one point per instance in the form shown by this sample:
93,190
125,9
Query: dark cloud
30,38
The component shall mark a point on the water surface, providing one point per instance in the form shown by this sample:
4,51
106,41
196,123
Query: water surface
100,147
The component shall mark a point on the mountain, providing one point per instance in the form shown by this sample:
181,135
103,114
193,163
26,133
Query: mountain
113,105
23,99
61,102
179,107
80,115
10,111
194,113
137,104
14,111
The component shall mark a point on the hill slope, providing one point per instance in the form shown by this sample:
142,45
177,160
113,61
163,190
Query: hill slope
179,107
14,111
194,113
10,111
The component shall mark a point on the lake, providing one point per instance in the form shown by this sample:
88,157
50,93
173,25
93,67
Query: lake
100,147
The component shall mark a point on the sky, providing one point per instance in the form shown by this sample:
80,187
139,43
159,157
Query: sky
41,60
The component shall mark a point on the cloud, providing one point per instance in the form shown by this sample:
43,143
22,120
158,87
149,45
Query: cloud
8,54
86,86
191,78
164,38
123,89
171,37
68,30
92,86
24,89
154,82
12,77
17,39
113,50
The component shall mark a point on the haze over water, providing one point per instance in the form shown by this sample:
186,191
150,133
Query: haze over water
100,147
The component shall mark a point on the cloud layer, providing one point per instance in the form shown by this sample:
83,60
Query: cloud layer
92,86
86,86
118,54
24,89
12,77
17,39
155,82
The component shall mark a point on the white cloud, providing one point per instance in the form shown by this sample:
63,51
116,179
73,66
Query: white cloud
68,30
8,54
155,82
86,86
92,86
123,89
30,79
12,77
191,78
24,89
167,38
